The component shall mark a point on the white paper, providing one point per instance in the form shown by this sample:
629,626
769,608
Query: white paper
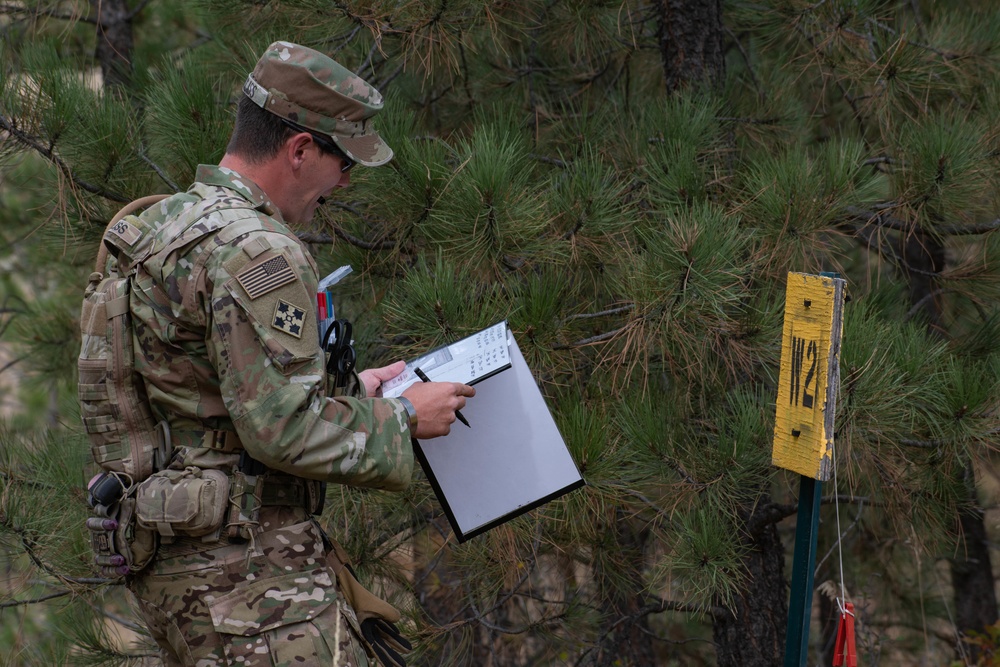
466,361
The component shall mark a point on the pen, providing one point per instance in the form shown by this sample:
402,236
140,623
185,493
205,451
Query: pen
423,378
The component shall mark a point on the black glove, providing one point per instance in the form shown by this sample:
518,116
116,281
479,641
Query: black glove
385,640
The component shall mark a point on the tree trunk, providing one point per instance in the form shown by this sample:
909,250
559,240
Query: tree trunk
753,635
973,583
689,33
628,642
114,40
971,572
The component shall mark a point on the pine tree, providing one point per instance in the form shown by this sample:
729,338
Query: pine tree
628,184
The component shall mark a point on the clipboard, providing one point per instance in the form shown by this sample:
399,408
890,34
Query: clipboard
513,458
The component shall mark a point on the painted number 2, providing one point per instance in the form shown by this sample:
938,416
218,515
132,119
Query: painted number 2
808,351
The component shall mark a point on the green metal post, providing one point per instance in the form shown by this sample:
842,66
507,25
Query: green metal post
803,566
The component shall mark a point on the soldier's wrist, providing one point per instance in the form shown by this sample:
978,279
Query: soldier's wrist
411,412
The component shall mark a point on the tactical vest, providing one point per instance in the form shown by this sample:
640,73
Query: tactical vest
136,500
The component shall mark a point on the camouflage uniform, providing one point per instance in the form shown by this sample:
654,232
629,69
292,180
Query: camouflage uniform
223,309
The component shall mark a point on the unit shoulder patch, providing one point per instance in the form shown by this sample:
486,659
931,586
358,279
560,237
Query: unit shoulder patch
288,318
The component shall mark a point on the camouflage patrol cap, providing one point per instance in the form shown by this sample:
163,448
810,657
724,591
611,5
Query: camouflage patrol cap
313,90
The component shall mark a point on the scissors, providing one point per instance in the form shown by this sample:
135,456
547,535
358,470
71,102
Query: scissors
342,355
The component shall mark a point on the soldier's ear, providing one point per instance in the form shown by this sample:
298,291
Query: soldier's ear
297,148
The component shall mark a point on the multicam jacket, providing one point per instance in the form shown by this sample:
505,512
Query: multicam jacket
225,321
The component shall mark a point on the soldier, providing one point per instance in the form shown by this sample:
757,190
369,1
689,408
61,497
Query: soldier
224,318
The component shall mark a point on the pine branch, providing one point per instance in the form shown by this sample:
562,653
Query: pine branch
836,80
840,538
927,47
923,444
746,61
603,313
137,9
49,154
383,83
529,567
590,341
888,221
47,13
912,312
866,236
746,121
657,606
11,363
562,164
769,514
43,598
967,230
775,512
326,239
159,171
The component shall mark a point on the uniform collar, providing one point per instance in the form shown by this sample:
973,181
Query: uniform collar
211,174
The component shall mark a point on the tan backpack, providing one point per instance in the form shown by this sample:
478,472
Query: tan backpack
124,440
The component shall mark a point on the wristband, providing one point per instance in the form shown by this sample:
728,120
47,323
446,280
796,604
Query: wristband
411,412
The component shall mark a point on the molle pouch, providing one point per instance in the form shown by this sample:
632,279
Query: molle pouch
189,503
244,505
121,547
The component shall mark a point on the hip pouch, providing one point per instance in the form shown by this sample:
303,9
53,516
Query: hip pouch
121,547
188,503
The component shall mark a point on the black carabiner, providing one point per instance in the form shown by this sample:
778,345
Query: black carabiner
342,355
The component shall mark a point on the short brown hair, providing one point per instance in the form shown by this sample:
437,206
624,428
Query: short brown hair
258,135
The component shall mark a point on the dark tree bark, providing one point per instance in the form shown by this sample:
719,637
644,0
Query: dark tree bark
628,640
114,40
971,572
973,582
753,635
690,34
923,259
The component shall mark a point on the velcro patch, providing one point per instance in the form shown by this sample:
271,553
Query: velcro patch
260,279
127,232
288,318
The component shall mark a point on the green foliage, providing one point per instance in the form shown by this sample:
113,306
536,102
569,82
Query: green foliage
186,102
946,166
676,147
637,242
706,556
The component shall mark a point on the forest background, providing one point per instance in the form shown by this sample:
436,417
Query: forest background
628,183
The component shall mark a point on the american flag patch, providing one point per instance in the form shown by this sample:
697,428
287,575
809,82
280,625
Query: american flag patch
261,279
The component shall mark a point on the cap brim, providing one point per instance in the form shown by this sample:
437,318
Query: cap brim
367,149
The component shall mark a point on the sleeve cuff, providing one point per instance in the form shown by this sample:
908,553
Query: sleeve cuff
411,412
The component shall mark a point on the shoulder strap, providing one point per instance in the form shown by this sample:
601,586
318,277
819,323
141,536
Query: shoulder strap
142,202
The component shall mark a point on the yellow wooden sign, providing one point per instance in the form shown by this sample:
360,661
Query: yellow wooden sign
807,385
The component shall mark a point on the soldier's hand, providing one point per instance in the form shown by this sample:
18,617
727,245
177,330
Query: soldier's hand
374,377
436,403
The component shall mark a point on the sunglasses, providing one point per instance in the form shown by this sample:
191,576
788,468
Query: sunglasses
325,144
